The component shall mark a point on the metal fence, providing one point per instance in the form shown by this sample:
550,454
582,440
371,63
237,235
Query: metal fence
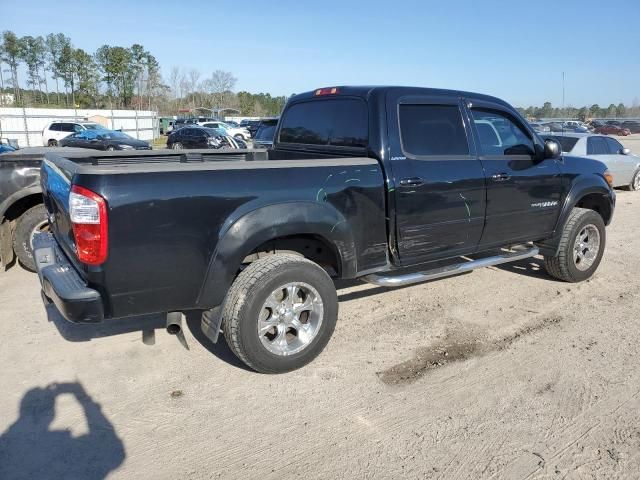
25,125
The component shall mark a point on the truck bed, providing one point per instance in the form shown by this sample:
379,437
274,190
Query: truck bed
181,222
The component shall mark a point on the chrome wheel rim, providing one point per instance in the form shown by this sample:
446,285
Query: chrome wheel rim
636,181
586,247
290,318
177,146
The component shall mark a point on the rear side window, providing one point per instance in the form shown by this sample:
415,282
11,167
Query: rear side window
335,122
597,146
55,127
432,130
67,127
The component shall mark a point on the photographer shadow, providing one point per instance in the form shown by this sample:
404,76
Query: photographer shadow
29,449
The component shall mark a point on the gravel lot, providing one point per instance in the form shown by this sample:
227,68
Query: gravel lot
500,373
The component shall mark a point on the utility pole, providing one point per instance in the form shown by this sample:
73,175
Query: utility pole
562,92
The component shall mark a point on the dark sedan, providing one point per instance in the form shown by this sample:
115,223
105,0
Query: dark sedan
103,140
200,137
613,130
632,125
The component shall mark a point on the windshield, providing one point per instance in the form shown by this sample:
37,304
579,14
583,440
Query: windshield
266,132
107,135
93,126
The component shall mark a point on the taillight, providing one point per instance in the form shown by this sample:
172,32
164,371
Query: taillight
88,213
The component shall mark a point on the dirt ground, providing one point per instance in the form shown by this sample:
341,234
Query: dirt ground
500,373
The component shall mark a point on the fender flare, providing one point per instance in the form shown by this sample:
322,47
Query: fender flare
583,186
244,234
17,196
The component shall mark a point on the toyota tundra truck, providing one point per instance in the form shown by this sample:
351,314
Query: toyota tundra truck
389,185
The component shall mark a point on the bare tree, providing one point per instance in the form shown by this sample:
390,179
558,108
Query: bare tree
193,79
220,86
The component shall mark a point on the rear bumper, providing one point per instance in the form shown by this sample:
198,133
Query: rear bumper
63,286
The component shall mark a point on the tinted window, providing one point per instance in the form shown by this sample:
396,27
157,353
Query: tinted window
55,127
67,127
338,122
266,132
499,134
613,145
597,146
432,130
567,143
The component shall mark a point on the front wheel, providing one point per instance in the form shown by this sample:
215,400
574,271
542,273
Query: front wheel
177,146
110,148
280,313
634,185
581,247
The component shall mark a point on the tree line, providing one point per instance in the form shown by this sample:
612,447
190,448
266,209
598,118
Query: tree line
584,113
60,75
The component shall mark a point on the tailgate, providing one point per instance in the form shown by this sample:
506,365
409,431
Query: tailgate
56,187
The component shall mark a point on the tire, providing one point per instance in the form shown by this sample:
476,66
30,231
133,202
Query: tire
239,137
52,143
246,307
110,148
30,222
570,266
634,185
177,146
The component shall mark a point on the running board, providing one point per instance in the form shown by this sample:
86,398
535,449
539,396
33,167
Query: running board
410,278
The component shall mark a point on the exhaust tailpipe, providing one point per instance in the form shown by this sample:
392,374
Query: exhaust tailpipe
174,323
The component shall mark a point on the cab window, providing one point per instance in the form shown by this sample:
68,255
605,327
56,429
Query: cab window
501,135
428,130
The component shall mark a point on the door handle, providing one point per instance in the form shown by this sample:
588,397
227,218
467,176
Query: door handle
500,177
411,182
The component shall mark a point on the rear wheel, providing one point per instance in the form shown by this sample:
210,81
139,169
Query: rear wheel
177,146
30,222
52,143
238,137
581,247
110,148
280,313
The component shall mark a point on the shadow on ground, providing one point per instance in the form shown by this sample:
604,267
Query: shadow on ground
30,450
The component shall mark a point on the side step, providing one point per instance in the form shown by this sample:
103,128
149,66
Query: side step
410,278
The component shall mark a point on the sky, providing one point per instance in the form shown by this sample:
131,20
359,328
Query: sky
516,49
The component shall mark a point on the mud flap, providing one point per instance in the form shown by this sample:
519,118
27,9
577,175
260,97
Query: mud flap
211,322
6,244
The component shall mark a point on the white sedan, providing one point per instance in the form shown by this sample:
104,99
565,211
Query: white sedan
240,133
623,165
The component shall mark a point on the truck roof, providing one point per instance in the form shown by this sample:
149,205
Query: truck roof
367,91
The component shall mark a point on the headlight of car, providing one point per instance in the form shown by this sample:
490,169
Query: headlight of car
125,147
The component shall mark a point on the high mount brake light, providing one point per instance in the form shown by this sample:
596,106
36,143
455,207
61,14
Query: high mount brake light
326,91
88,214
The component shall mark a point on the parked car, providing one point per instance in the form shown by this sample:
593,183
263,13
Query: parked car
611,129
623,165
202,137
383,184
6,148
264,135
613,122
104,140
183,122
56,131
240,133
251,125
232,123
632,125
539,127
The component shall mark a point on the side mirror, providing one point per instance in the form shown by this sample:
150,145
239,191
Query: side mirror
552,149
625,151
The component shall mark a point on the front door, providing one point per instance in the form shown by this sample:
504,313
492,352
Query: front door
439,190
523,189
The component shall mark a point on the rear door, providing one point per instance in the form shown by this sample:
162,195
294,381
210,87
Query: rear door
439,185
523,192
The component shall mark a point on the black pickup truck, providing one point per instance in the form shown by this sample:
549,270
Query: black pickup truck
391,185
